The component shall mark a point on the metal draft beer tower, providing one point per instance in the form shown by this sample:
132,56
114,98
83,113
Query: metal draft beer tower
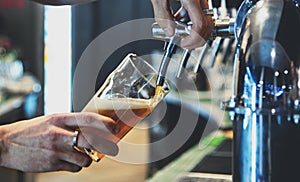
265,103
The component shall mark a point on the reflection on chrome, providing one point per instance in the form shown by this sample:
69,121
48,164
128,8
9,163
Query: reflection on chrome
265,104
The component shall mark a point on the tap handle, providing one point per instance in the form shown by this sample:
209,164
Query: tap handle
181,18
181,30
222,28
183,62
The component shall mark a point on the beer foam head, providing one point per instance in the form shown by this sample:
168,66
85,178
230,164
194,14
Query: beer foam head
119,103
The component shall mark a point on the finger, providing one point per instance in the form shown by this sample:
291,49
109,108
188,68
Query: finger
163,16
192,41
204,4
85,119
75,158
91,138
66,166
202,25
195,12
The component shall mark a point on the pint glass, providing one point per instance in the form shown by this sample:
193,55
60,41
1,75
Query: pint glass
127,96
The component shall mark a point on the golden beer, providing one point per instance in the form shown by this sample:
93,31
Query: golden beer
126,112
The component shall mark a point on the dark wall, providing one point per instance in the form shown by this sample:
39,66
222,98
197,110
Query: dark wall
91,19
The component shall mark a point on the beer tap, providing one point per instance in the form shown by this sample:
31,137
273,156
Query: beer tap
181,20
203,52
183,27
182,16
169,51
222,28
183,62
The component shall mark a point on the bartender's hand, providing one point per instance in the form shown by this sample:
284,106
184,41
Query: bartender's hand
45,143
202,24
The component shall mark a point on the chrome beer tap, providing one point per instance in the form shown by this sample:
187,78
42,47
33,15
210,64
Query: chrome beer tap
181,20
222,28
264,105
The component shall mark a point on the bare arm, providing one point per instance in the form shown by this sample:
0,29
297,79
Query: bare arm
62,2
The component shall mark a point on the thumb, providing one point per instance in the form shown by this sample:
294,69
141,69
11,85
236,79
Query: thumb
163,16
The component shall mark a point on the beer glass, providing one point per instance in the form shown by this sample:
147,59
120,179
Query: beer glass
127,96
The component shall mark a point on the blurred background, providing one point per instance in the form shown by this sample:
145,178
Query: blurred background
40,47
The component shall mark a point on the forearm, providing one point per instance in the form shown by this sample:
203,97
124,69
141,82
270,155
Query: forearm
62,2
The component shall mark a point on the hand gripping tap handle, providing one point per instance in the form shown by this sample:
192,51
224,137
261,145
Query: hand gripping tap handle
222,28
182,28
